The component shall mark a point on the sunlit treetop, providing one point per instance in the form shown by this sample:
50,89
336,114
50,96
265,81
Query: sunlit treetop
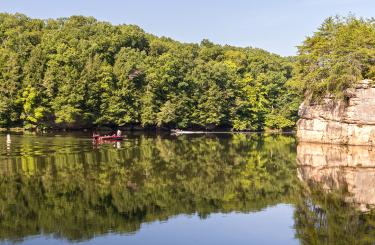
338,55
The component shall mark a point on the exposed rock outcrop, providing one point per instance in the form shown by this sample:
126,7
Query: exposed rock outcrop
335,167
349,122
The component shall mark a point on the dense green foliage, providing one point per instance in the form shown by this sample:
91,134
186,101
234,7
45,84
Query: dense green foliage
337,56
79,72
62,186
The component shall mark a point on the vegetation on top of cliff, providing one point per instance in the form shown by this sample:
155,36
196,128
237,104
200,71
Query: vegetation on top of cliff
338,55
79,72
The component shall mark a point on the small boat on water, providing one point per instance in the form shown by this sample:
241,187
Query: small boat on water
113,137
179,132
108,137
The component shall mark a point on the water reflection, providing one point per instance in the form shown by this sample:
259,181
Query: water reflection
338,200
345,168
65,186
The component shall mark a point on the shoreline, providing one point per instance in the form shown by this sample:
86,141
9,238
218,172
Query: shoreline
145,130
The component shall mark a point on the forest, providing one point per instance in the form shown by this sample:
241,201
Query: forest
78,72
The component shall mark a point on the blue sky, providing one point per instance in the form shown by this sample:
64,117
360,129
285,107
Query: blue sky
275,25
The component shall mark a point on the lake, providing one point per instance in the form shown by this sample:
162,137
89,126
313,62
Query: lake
188,189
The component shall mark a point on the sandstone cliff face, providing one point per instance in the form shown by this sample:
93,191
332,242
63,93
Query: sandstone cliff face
335,167
351,122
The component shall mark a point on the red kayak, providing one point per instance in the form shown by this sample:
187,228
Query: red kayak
107,137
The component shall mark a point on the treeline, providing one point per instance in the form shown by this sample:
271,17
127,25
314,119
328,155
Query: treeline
79,72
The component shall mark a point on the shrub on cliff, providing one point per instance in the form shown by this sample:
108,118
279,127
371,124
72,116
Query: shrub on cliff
338,55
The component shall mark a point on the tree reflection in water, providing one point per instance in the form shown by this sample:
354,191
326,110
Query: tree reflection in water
66,187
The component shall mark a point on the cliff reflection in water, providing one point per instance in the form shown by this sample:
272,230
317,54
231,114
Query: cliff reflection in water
66,187
345,168
338,200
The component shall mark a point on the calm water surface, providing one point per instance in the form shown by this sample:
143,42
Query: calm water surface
190,189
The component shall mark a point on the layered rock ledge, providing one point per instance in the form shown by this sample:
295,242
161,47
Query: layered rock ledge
349,122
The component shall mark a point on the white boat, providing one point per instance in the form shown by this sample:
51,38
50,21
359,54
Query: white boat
178,132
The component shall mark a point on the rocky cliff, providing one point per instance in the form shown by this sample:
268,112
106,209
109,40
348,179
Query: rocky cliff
349,122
